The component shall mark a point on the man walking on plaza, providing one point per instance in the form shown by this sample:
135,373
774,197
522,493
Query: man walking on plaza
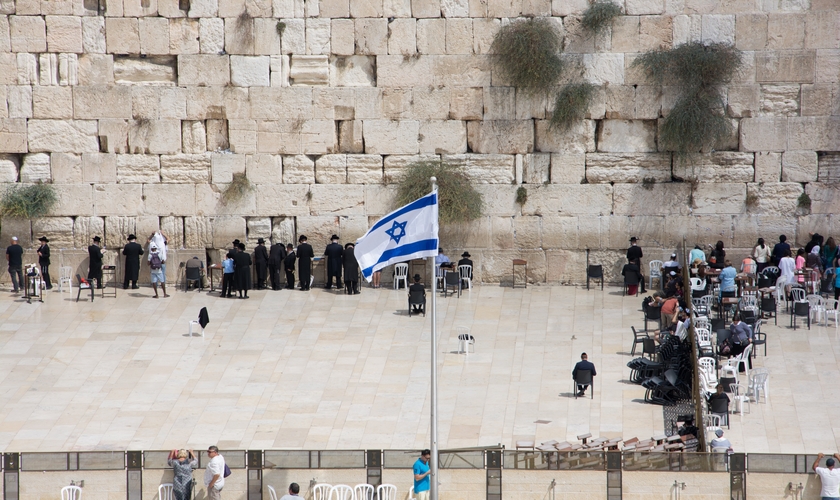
214,474
294,489
583,364
830,477
421,475
14,255
132,251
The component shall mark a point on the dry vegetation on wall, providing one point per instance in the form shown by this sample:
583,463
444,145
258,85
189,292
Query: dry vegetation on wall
697,121
28,201
458,200
237,189
526,53
599,16
571,103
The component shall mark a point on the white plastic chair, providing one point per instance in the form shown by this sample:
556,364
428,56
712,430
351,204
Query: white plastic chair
817,307
364,491
701,322
704,336
712,423
708,370
71,493
321,491
386,492
759,384
831,308
196,324
465,340
165,491
739,395
342,492
271,492
703,305
748,303
655,267
466,271
743,358
697,284
411,495
781,296
65,277
400,274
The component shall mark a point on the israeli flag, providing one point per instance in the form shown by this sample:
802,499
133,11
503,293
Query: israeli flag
410,232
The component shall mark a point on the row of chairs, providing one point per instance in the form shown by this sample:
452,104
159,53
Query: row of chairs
401,275
344,492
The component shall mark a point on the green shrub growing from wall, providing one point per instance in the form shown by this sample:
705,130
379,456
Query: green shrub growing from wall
571,103
458,200
28,201
599,16
526,53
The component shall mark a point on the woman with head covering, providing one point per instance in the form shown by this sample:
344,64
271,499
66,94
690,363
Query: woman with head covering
182,464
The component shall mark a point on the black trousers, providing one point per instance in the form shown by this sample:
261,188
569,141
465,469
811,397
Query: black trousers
227,285
95,274
290,279
351,287
330,276
262,274
582,388
274,272
45,272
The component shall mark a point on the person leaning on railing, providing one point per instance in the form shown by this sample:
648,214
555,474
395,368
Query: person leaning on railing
829,476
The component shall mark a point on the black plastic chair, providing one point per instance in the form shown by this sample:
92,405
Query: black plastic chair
417,298
452,279
583,377
84,285
652,313
768,306
720,406
649,347
595,272
193,274
638,338
802,309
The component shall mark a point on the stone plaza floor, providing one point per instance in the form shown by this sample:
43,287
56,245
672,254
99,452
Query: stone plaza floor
324,370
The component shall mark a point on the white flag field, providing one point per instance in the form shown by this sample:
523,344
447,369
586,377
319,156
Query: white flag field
410,232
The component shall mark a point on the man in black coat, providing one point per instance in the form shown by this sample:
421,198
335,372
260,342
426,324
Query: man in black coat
333,253
242,271
95,268
465,261
351,269
634,253
289,266
261,261
44,261
420,290
276,255
132,252
583,364
304,255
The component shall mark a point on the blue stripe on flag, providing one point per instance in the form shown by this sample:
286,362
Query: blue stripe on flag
417,246
430,199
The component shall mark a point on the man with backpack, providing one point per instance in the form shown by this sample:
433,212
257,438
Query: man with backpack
156,267
215,474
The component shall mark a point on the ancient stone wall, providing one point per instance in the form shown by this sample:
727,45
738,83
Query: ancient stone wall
140,112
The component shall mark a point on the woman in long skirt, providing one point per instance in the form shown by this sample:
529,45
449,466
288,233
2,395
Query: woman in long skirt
183,465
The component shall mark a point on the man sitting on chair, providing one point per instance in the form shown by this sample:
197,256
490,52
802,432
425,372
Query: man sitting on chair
418,288
465,261
583,364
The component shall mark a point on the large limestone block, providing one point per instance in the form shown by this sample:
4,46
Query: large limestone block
501,136
719,198
656,32
118,199
225,229
371,36
751,31
795,66
173,227
579,138
154,35
815,133
318,229
101,101
85,228
290,200
184,36
560,232
19,99
334,8
395,165
536,168
470,236
64,34
368,104
499,103
64,168
431,104
28,34
425,8
193,137
364,169
9,165
619,102
298,169
93,35
27,69
628,167
283,230
634,199
280,71
466,103
169,199
13,136
459,36
397,103
239,35
211,33
717,28
431,36
96,69
155,137
52,102
820,100
60,136
264,169
768,167
462,71
484,31
279,136
242,135
59,230
350,137
644,7
145,70
742,101
352,227
73,200
35,168
318,36
495,266
821,30
138,169
198,232
113,136
318,137
568,168
202,69
379,199
443,136
632,136
337,200
799,166
99,168
342,37
250,71
224,166
397,71
122,35
828,167
331,169
603,68
402,36
352,71
292,103
720,166
258,227
209,201
825,197
785,31
389,137
779,100
183,168
774,198
764,134
485,168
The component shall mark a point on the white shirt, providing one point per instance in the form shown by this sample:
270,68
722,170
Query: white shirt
216,465
830,482
290,497
787,266
762,255
721,442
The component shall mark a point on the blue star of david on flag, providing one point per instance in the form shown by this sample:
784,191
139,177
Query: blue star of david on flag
397,231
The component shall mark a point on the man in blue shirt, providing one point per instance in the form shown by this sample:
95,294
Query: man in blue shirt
421,475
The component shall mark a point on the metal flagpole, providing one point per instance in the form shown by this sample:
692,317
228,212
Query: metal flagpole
433,463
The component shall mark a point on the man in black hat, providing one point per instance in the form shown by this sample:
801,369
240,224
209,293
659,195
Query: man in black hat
289,266
44,261
242,271
132,251
418,288
305,254
261,262
333,253
95,268
351,269
276,255
230,255
465,261
634,255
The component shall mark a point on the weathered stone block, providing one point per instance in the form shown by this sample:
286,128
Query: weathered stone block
352,71
774,198
634,199
795,66
768,167
604,68
93,35
298,169
628,167
52,102
19,100
371,36
536,168
485,168
169,199
102,101
655,32
337,200
742,101
764,134
799,166
264,169
35,168
825,198
717,28
461,71
719,198
205,70
250,71
779,100
820,100
58,136
388,137
364,169
96,69
785,31
122,35
115,200
85,228
687,28
185,168
9,165
443,136
719,166
211,33
501,136
579,138
569,199
226,229
64,34
466,103
113,136
318,36
193,137
282,198
350,138
155,137
617,136
154,35
138,169
814,133
13,136
397,71
242,135
431,36
379,199
331,169
184,35
283,230
644,7
499,103
751,31
28,34
223,166
258,227
309,70
568,168
59,230
343,36
99,168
